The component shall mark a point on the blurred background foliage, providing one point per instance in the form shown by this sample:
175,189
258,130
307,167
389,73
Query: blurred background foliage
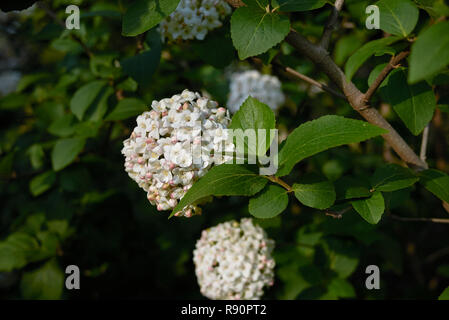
66,198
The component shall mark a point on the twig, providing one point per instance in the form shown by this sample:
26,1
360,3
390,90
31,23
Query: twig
337,214
434,220
280,182
331,24
436,255
425,138
394,63
305,78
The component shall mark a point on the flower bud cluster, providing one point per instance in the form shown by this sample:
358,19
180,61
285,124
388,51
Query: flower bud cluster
265,88
194,19
233,261
174,145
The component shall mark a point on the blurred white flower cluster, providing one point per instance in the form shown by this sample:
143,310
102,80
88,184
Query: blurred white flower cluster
194,19
174,145
233,261
265,88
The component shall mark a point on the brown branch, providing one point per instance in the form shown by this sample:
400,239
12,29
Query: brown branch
331,24
394,63
307,79
320,57
356,99
434,220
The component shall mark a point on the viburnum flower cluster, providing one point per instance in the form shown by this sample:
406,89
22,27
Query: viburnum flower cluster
174,145
233,261
194,19
265,88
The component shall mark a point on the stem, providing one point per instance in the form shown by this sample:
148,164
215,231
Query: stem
425,138
331,24
434,220
307,79
393,64
280,182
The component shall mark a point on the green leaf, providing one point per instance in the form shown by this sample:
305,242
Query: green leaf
85,96
62,127
318,135
15,251
392,177
415,104
341,288
65,151
270,202
143,15
364,53
297,5
398,17
256,115
29,79
36,155
315,191
429,52
436,182
143,65
127,108
42,183
444,295
43,283
255,30
370,209
224,180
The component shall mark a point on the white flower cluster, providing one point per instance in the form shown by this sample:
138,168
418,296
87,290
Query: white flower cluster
233,261
175,144
194,19
265,88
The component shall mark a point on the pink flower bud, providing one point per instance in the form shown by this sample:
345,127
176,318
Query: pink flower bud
159,207
140,160
171,165
164,113
149,175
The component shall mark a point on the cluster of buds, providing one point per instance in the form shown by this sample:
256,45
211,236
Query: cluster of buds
194,19
174,145
233,261
263,87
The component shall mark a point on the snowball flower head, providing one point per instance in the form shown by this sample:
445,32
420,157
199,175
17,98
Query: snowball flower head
174,145
233,261
265,88
194,19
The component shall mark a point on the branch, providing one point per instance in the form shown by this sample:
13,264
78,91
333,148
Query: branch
356,99
393,64
425,138
305,78
320,57
331,24
434,220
